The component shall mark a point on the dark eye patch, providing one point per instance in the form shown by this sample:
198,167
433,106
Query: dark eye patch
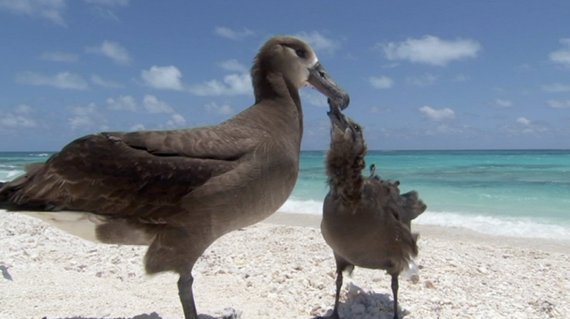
302,53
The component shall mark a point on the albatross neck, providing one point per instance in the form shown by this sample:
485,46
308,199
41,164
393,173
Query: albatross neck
278,92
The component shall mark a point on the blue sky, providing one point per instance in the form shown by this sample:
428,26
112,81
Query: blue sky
421,74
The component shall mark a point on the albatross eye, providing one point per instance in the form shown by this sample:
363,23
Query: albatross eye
302,53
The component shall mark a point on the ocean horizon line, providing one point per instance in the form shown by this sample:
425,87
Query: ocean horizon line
376,150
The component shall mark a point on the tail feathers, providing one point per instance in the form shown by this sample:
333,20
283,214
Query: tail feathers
412,207
405,248
411,273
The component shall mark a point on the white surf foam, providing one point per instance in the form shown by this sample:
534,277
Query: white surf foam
8,175
502,226
311,207
491,225
9,172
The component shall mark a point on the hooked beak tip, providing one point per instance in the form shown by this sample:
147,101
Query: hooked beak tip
345,100
340,102
321,81
338,120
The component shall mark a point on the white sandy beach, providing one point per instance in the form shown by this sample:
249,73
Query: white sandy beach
279,269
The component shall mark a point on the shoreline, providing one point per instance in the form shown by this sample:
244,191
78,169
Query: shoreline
437,231
280,268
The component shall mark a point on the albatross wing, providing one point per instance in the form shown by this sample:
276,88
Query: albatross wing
119,175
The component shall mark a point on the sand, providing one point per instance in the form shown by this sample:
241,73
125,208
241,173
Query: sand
279,269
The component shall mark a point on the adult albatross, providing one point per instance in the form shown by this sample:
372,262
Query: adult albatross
178,191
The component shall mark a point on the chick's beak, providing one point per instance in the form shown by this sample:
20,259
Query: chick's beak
338,120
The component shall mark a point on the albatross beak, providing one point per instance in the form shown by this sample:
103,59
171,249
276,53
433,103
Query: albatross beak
319,78
338,120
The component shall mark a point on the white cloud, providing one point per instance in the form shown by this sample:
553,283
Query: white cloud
105,8
223,109
527,126
559,104
113,50
313,97
381,82
48,9
232,84
17,118
122,103
97,80
556,87
59,57
163,77
86,117
524,121
62,80
319,42
176,120
562,56
523,125
437,114
431,50
235,35
503,103
153,105
10,120
233,66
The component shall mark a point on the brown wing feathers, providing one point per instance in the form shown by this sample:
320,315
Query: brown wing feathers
97,172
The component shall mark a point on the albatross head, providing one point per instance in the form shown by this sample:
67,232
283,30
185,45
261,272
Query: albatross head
346,135
299,65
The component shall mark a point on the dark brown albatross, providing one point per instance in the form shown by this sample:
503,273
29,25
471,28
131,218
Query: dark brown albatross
178,191
366,221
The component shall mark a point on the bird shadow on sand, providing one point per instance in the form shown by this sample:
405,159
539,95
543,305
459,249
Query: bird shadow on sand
360,300
153,315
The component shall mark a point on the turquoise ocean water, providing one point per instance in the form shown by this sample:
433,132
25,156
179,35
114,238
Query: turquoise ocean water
510,193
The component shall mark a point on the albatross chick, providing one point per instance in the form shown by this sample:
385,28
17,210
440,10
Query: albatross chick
365,219
178,191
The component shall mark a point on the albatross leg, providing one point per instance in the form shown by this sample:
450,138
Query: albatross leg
339,279
395,293
341,265
334,314
186,296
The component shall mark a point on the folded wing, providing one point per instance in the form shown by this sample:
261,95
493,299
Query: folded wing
140,174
